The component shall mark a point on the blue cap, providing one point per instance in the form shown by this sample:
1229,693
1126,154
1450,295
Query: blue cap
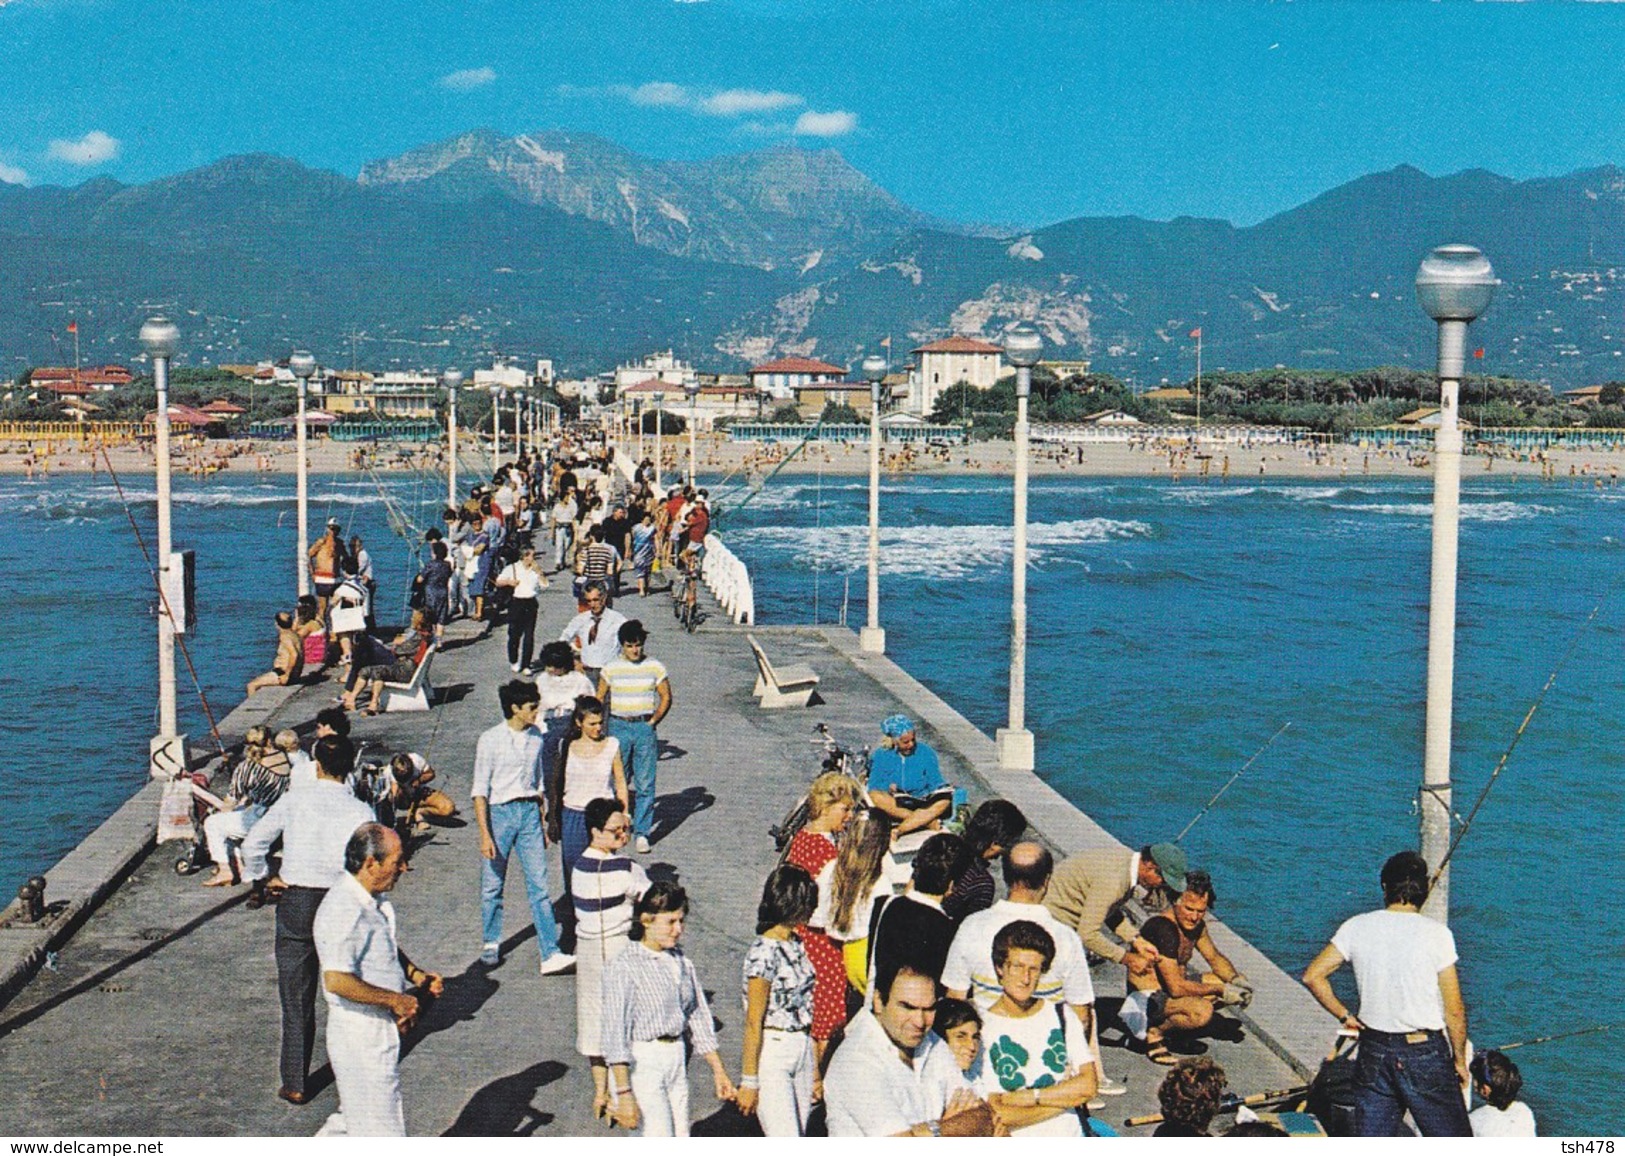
896,726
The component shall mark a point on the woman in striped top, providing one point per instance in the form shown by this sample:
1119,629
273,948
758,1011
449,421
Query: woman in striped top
258,781
652,1000
603,884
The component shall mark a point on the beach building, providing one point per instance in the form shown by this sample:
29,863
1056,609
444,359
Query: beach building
710,404
392,396
788,375
811,399
66,381
944,364
1585,396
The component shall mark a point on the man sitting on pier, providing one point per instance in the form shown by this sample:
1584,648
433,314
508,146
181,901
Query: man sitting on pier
905,779
1169,998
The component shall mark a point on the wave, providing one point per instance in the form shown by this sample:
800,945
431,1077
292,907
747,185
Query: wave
929,551
1470,512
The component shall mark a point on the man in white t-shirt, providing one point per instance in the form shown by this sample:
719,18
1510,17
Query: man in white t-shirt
1412,1020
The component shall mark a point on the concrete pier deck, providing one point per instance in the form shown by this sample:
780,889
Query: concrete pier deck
158,1015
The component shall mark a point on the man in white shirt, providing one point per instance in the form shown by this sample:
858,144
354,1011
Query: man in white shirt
365,977
892,1077
314,824
1412,1021
594,634
509,808
970,974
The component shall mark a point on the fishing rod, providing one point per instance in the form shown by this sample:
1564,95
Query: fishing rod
1230,1103
1517,736
1561,1036
1231,781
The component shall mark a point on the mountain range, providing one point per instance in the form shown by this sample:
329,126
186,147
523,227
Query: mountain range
568,246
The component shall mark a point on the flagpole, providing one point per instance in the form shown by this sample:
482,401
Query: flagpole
1198,380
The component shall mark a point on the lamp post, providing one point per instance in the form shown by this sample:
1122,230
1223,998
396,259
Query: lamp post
872,639
302,365
1022,346
167,751
637,410
660,431
1454,286
692,388
452,379
518,408
496,426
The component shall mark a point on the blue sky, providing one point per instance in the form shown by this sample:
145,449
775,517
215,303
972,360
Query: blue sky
999,111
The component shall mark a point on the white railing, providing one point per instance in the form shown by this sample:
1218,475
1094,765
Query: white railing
729,581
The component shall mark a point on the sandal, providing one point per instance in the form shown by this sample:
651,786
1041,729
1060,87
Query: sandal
1158,1053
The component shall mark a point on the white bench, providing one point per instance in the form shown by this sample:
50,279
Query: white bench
781,686
415,694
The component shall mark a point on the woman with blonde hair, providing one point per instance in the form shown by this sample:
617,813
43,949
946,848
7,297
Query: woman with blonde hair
850,885
831,802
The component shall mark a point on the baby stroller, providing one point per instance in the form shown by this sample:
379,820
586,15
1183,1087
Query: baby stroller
195,857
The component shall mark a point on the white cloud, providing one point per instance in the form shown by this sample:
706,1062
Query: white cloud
468,79
93,148
826,123
727,102
739,101
11,174
658,94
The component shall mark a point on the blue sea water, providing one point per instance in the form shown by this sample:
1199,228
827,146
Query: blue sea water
1174,628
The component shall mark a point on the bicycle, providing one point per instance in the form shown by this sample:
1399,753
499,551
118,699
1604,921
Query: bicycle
838,759
685,594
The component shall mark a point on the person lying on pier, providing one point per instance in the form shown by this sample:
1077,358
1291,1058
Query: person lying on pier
905,779
285,667
1169,998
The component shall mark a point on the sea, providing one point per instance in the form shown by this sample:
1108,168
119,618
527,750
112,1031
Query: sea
1174,628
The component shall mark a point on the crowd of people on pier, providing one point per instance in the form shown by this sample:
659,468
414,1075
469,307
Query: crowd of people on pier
888,990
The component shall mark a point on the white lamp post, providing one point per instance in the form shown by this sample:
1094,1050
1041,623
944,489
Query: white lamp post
1454,286
660,431
452,379
496,426
692,388
872,639
167,751
302,365
1022,345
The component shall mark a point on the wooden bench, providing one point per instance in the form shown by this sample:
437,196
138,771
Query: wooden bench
781,686
416,694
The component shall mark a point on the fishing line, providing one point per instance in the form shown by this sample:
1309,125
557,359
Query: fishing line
1229,782
180,639
1517,737
1561,1036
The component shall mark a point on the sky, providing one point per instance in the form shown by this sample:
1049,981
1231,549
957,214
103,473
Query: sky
1005,112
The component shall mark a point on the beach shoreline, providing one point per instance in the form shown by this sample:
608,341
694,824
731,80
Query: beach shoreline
1219,463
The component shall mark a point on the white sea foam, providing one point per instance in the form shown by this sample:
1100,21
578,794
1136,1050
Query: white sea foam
928,551
1470,512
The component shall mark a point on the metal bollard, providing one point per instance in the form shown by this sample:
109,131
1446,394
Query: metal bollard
31,900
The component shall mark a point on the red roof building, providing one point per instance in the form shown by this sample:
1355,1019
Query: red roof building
184,415
959,345
222,408
793,373
97,377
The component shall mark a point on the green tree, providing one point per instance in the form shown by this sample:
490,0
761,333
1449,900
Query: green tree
839,413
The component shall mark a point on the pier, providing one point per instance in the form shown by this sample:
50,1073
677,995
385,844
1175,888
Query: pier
149,1006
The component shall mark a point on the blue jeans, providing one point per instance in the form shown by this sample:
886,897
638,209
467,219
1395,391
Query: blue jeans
1393,1075
573,840
517,827
640,752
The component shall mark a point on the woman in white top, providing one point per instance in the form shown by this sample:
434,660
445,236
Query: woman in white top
591,759
1037,1069
524,578
560,684
849,887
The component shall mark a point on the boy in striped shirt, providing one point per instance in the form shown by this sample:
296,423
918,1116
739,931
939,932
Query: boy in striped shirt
637,692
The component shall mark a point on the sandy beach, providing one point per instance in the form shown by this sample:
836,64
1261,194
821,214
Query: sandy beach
199,457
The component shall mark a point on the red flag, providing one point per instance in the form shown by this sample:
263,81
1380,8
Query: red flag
73,327
1479,352
886,343
1197,332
